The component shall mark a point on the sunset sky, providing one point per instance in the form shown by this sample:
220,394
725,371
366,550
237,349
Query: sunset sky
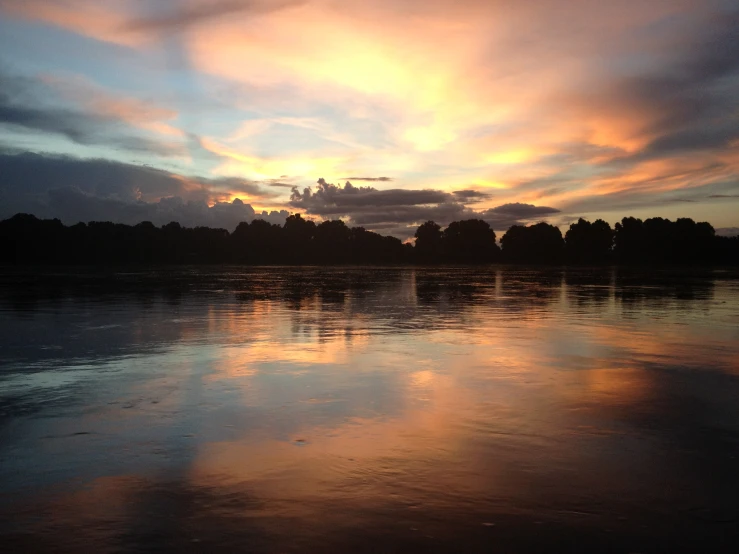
510,111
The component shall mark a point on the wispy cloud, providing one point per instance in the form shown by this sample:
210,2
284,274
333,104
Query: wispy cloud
380,179
86,115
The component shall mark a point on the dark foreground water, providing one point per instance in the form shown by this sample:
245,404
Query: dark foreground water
368,410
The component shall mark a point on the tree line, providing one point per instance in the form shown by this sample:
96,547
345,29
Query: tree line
25,239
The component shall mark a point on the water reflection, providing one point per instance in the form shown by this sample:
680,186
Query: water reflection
446,409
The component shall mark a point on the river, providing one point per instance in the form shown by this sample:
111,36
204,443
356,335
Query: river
493,409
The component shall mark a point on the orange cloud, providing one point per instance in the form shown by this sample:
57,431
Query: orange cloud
444,94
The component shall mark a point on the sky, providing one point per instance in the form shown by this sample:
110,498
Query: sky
384,114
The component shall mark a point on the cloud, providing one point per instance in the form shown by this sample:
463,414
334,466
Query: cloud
32,105
71,205
278,184
657,184
688,104
615,104
74,189
443,213
469,196
502,217
81,129
520,211
97,100
397,211
330,199
99,19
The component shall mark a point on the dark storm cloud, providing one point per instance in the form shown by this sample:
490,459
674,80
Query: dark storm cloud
371,207
469,196
520,211
330,199
717,54
60,121
25,105
35,173
697,138
29,174
73,190
502,217
442,213
395,211
72,205
688,106
80,128
694,98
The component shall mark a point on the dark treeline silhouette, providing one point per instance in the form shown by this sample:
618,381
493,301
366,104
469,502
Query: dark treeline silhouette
25,239
468,241
540,243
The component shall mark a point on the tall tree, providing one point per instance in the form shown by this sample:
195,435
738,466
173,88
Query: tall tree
587,242
428,242
540,243
469,241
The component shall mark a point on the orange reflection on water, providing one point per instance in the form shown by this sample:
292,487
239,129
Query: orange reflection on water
420,403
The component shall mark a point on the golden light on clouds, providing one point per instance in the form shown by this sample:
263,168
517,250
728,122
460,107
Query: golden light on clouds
535,101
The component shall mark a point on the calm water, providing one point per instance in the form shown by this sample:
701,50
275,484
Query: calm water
367,410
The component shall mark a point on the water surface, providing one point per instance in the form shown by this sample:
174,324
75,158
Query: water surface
369,410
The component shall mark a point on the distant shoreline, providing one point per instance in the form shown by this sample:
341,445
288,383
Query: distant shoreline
28,241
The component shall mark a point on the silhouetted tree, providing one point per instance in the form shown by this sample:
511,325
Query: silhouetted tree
726,250
628,240
24,239
369,247
540,243
263,242
661,241
428,242
299,235
469,241
174,246
332,242
587,242
695,242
